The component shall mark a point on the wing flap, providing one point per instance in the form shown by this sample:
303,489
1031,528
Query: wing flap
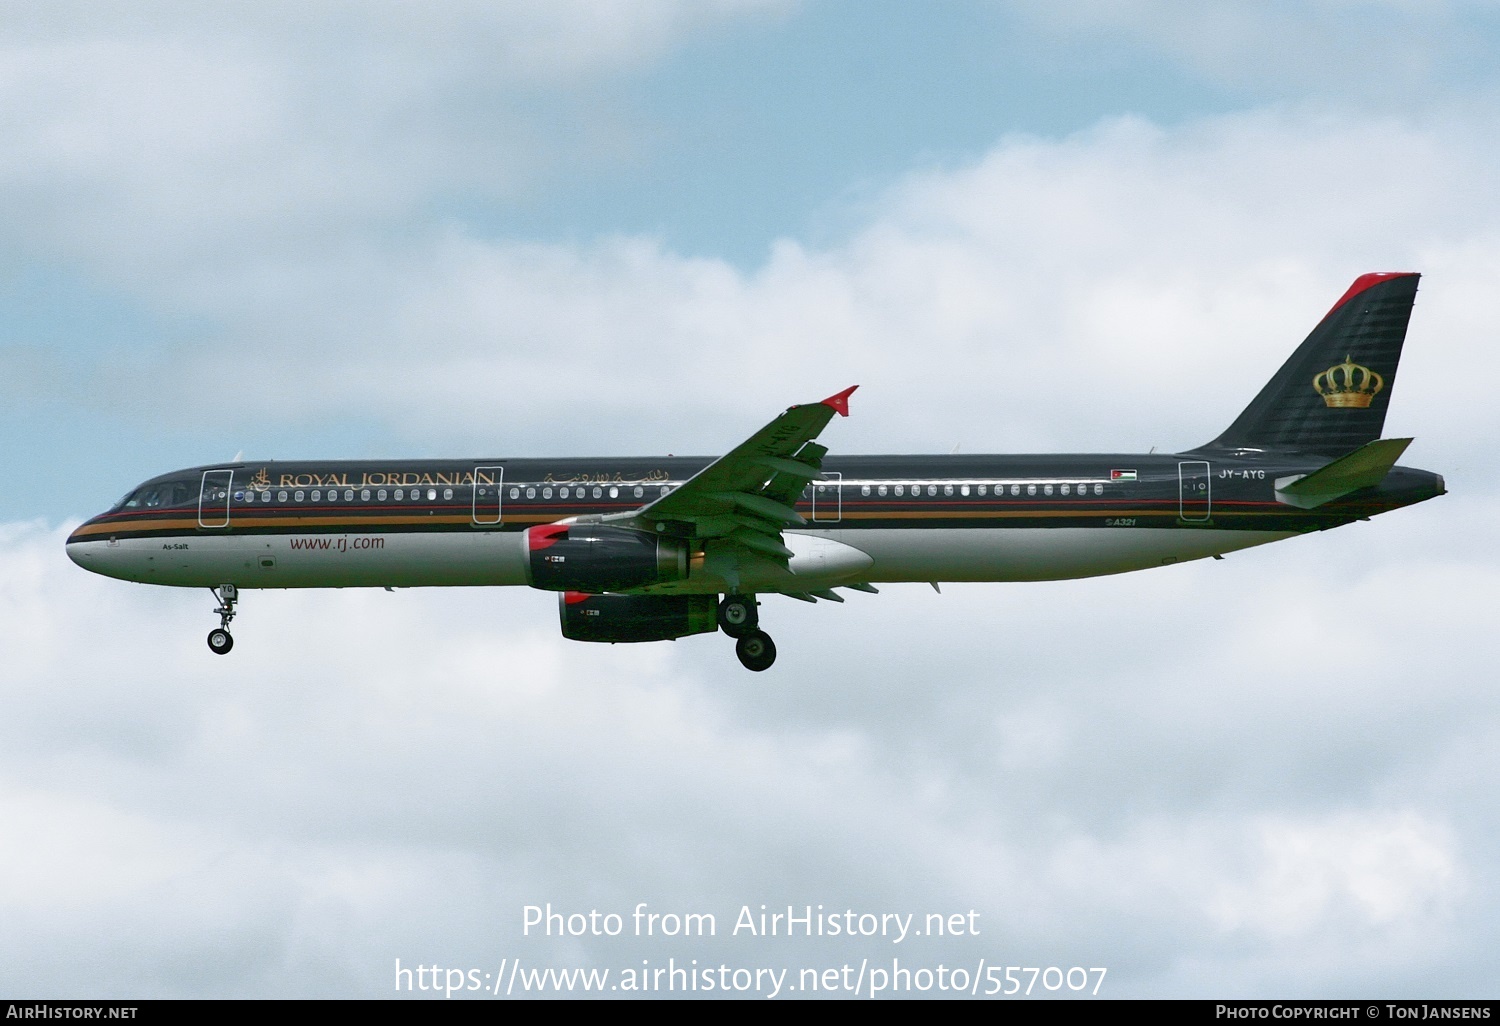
770,528
761,506
762,543
790,467
787,485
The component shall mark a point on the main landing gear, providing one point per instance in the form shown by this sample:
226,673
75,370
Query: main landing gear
219,639
756,650
739,617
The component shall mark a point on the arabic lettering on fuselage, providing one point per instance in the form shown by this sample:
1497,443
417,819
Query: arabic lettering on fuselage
650,477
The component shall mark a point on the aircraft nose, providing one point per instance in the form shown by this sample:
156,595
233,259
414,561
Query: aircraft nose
76,549
83,546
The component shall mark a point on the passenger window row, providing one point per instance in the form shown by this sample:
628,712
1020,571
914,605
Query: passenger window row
250,496
534,491
180,493
1015,489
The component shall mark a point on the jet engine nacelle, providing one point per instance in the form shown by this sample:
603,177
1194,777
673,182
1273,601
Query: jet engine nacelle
595,558
625,618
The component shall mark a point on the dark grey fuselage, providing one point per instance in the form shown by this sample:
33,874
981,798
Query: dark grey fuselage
916,518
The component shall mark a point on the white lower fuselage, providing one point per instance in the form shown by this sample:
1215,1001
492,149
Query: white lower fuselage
823,558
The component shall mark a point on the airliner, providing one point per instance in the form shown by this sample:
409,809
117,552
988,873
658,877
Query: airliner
658,548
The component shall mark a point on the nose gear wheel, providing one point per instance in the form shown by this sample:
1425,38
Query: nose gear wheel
220,641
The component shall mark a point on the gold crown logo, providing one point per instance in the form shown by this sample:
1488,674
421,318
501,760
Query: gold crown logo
1348,385
261,482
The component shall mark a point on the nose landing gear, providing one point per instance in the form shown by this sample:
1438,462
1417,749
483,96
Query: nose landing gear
220,641
739,617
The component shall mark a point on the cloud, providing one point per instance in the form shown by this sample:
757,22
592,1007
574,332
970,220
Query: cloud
1379,871
1044,297
1150,772
1377,52
513,38
289,239
144,139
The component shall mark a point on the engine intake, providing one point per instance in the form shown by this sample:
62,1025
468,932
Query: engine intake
627,618
593,558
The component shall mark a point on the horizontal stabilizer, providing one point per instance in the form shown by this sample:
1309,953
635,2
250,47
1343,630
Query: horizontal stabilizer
1365,467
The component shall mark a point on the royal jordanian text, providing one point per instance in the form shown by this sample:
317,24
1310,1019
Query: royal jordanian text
762,921
368,478
409,478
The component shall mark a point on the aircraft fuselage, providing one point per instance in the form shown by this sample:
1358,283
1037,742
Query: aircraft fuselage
916,518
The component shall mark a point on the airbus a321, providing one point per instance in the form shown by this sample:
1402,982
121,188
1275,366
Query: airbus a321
658,548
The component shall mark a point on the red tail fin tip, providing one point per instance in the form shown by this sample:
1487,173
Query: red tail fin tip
840,402
1365,281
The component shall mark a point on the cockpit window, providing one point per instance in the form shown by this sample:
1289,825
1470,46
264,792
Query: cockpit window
161,495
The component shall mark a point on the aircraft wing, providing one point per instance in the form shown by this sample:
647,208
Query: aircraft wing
748,494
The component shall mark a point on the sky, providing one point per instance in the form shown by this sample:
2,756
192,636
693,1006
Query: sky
328,229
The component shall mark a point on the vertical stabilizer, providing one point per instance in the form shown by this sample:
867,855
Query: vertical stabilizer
1330,397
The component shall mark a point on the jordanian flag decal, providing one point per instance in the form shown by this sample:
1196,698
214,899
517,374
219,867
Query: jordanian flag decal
1122,475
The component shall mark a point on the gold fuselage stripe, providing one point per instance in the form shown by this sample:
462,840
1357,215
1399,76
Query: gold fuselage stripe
377,521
